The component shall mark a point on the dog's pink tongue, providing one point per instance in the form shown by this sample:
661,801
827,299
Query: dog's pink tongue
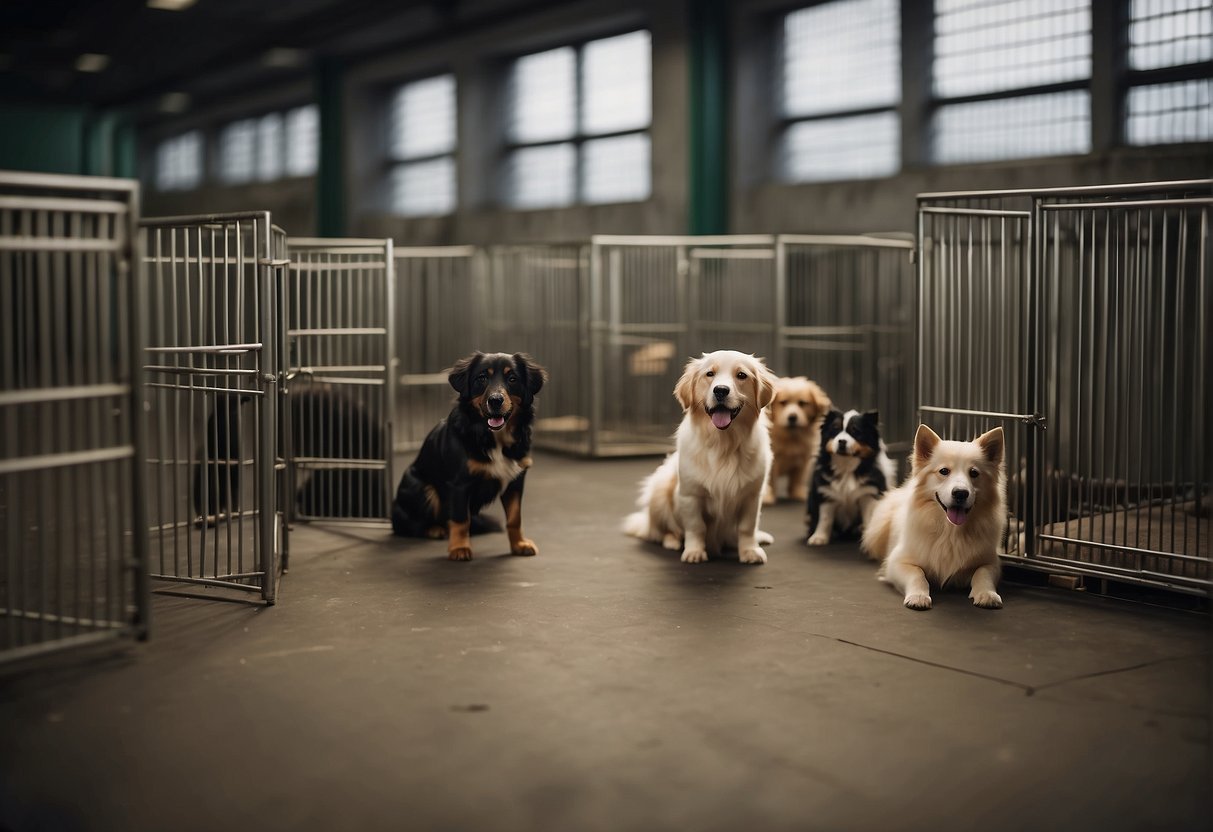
722,418
496,421
957,516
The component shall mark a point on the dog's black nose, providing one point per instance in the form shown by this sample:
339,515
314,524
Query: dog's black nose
842,444
792,418
721,393
960,495
496,400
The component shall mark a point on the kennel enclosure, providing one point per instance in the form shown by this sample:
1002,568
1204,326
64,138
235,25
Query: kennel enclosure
73,554
1079,320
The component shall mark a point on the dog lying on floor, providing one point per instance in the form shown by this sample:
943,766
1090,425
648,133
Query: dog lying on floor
480,451
796,415
707,495
944,524
852,472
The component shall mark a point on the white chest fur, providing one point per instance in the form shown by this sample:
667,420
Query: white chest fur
502,468
845,489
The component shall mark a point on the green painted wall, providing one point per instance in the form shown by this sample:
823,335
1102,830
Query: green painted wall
708,28
42,138
330,177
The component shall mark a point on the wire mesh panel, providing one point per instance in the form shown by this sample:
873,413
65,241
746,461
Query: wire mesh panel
73,552
975,329
847,321
213,367
654,301
1127,287
438,321
1084,311
534,301
340,316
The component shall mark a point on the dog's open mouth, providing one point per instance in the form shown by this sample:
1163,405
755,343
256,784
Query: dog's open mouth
957,515
722,416
497,422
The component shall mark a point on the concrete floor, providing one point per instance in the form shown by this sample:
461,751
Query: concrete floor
604,685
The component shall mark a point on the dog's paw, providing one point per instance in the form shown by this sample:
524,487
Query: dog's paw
694,555
819,538
672,542
764,538
524,548
918,601
436,532
768,499
988,599
754,555
798,495
462,553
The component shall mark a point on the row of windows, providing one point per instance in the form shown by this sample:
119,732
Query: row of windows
840,82
1009,79
254,149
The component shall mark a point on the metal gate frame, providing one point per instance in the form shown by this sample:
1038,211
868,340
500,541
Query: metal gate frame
233,268
1075,277
342,358
73,560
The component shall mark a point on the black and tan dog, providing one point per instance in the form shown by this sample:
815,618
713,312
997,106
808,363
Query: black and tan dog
481,450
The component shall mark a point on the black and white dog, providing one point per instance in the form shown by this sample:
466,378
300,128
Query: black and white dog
851,474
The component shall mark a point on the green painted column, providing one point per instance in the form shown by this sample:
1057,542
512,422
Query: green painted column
708,28
330,179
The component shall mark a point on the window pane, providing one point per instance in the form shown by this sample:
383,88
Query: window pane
542,177
982,46
616,84
302,141
841,56
269,147
423,118
542,96
1013,128
616,169
855,147
1162,113
237,147
424,188
179,162
1170,33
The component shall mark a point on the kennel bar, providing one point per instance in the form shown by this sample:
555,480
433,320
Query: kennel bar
438,321
654,302
846,313
215,367
73,544
1111,474
341,378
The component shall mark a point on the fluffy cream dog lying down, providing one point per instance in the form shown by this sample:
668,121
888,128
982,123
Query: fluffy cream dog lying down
706,496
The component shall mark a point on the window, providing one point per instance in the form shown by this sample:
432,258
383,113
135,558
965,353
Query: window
422,146
179,162
269,147
1170,96
1011,79
302,140
237,152
839,89
578,124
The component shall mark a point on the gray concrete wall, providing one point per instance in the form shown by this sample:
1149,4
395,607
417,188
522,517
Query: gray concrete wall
478,60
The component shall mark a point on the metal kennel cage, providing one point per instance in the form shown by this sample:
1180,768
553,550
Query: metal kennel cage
73,555
340,301
215,362
1079,318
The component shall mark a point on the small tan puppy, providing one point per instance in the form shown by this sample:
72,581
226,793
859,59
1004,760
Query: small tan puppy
707,495
943,525
797,411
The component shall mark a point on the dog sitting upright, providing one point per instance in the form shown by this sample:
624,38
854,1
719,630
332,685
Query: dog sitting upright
796,416
481,450
851,474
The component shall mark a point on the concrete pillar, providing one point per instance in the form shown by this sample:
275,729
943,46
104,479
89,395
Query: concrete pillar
330,178
708,29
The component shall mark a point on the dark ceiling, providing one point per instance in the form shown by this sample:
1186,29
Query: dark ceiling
210,49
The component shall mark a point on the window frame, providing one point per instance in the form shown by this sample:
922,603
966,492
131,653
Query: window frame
391,162
508,146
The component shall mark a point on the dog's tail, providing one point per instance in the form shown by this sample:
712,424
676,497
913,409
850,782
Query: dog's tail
637,524
480,524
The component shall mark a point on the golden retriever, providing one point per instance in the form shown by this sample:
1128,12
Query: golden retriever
797,411
943,525
707,495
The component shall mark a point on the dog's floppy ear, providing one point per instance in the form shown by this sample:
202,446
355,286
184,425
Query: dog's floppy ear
534,375
925,441
684,390
992,444
821,401
872,417
765,380
462,371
